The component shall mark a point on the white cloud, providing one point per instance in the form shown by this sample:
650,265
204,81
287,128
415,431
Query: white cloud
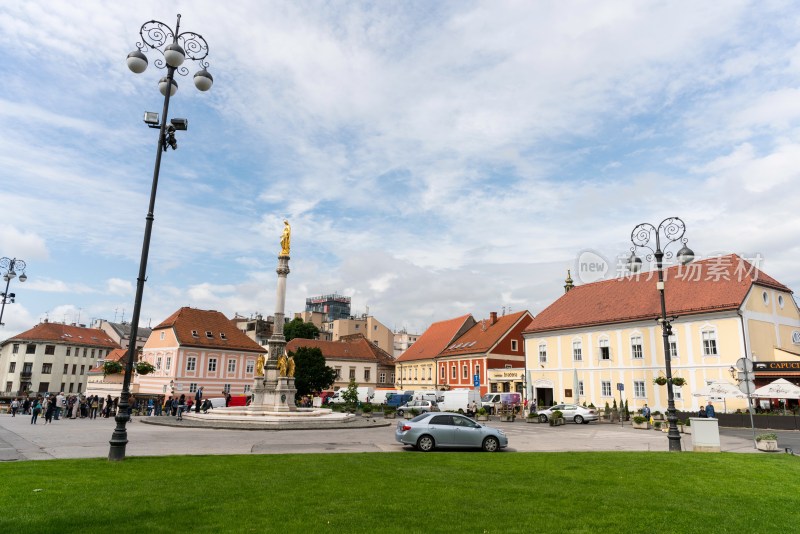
116,286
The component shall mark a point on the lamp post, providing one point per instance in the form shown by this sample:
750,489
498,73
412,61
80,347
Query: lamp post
175,47
672,230
10,266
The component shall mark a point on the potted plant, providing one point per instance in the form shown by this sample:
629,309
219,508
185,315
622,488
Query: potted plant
111,368
389,412
641,422
660,381
532,417
767,442
657,416
413,412
367,410
657,425
678,381
482,414
144,368
557,418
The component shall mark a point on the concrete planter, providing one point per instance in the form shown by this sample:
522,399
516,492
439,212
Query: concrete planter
557,422
767,445
389,415
532,419
641,426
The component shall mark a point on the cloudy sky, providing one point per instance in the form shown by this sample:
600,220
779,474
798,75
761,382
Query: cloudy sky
434,158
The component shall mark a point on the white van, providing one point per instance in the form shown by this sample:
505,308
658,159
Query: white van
459,399
428,395
364,395
380,395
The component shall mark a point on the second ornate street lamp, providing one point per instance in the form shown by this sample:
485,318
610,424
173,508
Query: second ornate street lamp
175,47
672,229
10,266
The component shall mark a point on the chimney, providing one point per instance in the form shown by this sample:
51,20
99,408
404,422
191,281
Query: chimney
492,317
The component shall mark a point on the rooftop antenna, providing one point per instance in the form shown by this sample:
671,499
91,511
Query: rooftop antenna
115,314
79,316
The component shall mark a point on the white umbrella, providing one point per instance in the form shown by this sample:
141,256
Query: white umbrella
720,389
779,389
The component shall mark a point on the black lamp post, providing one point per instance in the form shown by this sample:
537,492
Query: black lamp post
10,266
672,229
175,47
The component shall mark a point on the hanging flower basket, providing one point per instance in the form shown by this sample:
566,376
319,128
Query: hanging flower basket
678,381
660,381
111,368
144,368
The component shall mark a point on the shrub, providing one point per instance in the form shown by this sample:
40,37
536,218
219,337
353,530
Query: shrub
482,411
688,422
111,368
389,409
660,381
414,412
639,419
557,414
367,408
144,368
678,381
657,424
763,437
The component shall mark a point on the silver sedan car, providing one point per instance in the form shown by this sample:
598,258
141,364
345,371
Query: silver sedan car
430,430
572,412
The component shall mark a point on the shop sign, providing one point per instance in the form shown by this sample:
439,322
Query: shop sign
790,366
497,375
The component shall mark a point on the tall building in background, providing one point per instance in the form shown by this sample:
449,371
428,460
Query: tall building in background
332,306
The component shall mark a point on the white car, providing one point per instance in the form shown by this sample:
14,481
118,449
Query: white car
572,412
421,406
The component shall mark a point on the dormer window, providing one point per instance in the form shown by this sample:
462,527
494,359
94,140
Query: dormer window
222,335
195,334
209,334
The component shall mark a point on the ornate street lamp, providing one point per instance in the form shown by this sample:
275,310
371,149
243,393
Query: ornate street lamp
672,229
175,47
10,266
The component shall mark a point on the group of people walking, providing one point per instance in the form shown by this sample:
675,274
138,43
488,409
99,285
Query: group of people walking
52,407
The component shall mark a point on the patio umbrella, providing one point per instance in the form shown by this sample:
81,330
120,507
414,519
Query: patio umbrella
779,389
720,389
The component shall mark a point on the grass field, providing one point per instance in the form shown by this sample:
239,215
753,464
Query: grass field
437,492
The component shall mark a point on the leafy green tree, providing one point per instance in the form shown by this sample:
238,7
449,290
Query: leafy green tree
297,328
351,395
311,375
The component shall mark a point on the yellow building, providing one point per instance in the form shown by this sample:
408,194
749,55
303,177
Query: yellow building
606,333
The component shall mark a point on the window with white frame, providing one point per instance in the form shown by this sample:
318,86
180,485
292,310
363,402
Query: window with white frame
391,378
192,387
338,373
367,375
709,343
636,348
577,351
226,388
158,363
169,363
605,350
453,372
231,366
442,372
477,369
580,388
676,391
464,371
605,388
352,373
514,345
673,349
191,363
250,366
382,378
430,375
542,353
247,388
638,389
212,365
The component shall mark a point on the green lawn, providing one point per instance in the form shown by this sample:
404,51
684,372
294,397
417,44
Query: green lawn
408,492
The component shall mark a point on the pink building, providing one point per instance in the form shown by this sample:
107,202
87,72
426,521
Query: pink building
198,348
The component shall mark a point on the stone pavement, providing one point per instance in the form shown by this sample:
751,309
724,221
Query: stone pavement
84,438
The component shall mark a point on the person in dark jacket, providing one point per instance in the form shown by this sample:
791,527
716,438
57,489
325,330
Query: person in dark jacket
710,412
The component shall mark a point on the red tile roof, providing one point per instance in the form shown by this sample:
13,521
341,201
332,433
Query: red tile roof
484,335
352,349
224,334
116,355
714,284
67,334
436,338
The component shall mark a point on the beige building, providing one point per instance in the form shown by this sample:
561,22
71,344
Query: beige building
365,325
402,341
51,357
606,333
121,332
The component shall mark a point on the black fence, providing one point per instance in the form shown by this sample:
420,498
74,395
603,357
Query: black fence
736,420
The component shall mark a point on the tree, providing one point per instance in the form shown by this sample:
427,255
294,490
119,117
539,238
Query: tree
297,328
351,395
311,375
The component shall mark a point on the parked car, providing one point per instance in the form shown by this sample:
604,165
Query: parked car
572,412
422,406
430,430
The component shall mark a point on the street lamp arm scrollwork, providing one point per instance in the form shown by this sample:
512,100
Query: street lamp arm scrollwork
10,268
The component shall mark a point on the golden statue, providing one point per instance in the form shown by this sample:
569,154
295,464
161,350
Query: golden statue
282,365
260,365
290,370
286,238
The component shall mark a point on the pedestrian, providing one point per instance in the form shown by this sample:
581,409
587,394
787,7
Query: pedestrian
14,407
710,412
59,405
76,406
701,412
181,406
26,406
94,404
159,404
227,400
646,411
37,409
198,399
50,410
150,406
